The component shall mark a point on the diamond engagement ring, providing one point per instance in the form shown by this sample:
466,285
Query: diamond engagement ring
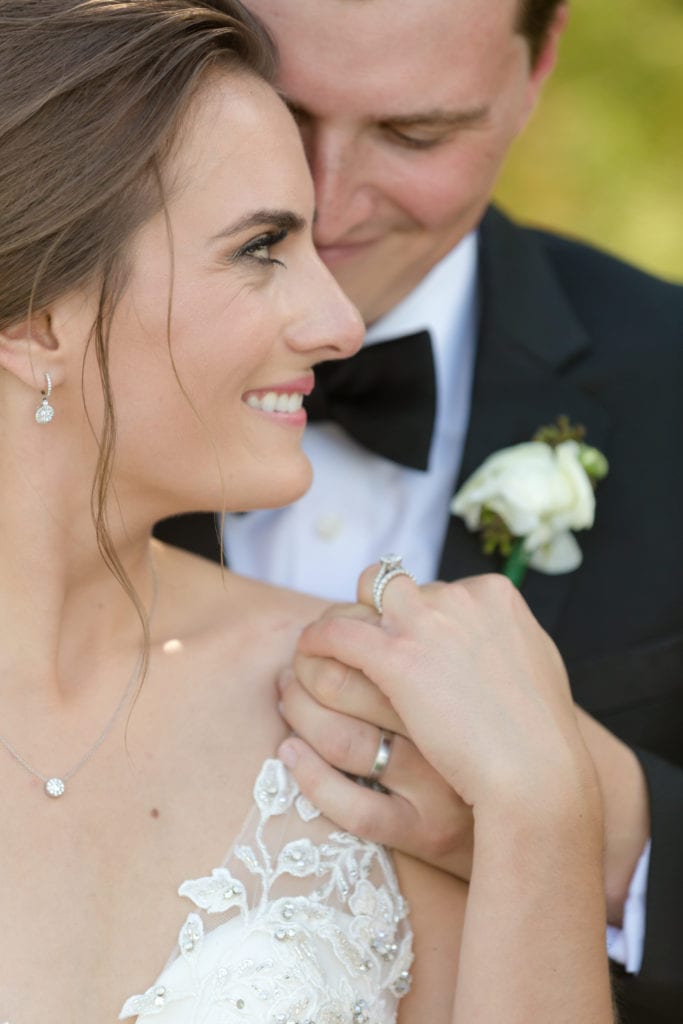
382,756
390,568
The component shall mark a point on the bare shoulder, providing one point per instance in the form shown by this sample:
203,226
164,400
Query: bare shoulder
210,591
219,643
437,911
234,620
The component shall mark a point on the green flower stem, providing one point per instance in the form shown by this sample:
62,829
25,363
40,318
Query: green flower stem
516,564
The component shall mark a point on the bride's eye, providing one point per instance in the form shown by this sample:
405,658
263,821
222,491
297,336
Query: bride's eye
259,249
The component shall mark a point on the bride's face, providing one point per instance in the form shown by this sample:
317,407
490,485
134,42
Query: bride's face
229,273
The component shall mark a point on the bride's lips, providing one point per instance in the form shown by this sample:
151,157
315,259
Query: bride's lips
282,402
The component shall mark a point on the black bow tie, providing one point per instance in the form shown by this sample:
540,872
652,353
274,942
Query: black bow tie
384,397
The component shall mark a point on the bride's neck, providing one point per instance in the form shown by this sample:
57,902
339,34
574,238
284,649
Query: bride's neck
58,600
61,609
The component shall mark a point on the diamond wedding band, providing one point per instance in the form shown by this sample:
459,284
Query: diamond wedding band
390,568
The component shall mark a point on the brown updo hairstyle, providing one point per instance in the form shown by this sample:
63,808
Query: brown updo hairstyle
91,95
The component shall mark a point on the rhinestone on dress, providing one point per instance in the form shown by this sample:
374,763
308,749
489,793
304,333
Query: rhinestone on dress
386,949
402,984
360,1015
55,787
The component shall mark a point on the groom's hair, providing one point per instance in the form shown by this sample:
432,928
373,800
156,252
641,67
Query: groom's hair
535,18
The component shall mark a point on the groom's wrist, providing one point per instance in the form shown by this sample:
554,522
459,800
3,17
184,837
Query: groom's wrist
626,810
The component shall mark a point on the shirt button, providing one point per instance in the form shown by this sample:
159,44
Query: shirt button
329,526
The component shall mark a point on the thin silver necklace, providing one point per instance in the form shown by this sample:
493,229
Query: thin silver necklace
55,785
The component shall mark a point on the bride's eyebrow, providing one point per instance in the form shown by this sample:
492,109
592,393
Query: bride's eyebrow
284,220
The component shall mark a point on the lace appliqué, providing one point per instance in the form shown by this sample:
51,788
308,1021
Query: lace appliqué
302,925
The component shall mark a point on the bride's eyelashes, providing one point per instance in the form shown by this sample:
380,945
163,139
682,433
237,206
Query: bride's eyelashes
258,249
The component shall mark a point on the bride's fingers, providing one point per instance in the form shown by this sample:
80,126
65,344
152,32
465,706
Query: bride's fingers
346,743
399,593
358,644
347,690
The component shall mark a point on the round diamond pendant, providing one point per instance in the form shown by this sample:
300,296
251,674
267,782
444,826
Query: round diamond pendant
54,788
44,413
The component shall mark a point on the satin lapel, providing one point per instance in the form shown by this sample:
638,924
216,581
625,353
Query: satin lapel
530,344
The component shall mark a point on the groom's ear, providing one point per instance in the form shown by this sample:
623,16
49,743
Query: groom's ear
29,349
544,63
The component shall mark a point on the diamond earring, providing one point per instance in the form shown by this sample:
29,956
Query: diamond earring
45,413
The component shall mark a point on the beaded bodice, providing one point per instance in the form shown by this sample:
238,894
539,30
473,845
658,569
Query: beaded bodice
302,924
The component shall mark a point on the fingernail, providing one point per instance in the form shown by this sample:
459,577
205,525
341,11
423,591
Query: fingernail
288,755
281,708
284,679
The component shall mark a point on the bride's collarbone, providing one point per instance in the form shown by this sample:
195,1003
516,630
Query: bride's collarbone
89,881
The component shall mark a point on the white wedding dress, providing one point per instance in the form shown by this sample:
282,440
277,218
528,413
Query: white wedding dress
302,924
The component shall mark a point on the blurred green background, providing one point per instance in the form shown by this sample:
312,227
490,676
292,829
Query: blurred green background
603,156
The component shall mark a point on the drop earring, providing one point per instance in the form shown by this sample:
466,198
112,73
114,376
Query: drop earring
45,413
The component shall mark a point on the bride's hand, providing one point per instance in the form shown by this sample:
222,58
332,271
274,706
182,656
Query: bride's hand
481,690
338,716
479,685
338,713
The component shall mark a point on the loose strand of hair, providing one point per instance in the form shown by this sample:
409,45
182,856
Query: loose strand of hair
169,324
102,483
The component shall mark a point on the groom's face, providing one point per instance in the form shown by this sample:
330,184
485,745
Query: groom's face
406,110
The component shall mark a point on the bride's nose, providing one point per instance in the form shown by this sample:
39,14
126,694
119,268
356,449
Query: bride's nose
329,325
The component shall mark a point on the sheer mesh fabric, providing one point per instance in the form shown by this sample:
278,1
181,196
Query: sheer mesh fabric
301,924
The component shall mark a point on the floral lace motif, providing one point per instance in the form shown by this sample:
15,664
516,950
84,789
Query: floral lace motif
302,925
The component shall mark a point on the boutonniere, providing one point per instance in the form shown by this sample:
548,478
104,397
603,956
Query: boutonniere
527,500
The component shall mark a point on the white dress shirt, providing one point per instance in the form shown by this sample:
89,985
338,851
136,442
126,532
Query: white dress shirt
361,505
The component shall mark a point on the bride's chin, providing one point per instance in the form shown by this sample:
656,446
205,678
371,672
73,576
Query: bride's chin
280,489
292,488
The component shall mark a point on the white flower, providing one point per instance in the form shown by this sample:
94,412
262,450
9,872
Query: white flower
541,493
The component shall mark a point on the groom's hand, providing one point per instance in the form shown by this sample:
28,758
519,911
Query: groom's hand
337,714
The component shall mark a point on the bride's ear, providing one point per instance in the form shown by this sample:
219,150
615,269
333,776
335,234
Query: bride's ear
29,349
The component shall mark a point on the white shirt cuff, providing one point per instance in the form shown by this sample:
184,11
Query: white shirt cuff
625,945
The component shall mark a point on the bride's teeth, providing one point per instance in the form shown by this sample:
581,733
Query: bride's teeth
271,402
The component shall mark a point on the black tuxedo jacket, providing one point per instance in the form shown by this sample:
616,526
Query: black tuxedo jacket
567,329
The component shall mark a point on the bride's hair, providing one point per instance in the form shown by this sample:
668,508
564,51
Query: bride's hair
91,95
91,92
